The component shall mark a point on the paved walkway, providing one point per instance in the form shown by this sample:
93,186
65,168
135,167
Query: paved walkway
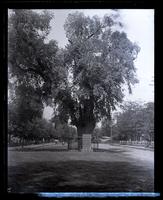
133,146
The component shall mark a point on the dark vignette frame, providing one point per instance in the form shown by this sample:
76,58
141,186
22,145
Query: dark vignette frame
74,4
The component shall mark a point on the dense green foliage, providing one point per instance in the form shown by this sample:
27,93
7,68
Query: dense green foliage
136,122
100,60
82,82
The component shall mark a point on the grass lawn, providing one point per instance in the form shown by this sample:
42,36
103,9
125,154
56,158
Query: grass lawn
78,176
76,171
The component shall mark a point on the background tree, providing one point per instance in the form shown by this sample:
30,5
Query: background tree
148,119
129,120
22,110
135,122
32,60
106,127
96,135
42,130
66,133
34,67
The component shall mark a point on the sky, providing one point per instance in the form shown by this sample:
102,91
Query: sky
139,26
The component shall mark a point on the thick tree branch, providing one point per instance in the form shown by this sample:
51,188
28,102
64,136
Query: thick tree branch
92,34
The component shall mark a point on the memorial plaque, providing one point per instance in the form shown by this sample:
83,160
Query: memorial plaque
86,141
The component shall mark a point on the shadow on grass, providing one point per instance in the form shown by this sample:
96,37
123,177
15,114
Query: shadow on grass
77,176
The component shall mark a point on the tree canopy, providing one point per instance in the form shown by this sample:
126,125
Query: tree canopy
32,60
85,79
100,60
31,69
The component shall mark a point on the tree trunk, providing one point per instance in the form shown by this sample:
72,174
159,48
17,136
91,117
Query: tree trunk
80,132
69,144
22,143
9,140
86,121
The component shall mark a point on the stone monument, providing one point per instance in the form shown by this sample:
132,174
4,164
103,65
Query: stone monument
86,143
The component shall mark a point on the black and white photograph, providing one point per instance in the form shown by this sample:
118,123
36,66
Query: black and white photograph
80,100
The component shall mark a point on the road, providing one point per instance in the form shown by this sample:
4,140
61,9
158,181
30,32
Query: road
131,152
